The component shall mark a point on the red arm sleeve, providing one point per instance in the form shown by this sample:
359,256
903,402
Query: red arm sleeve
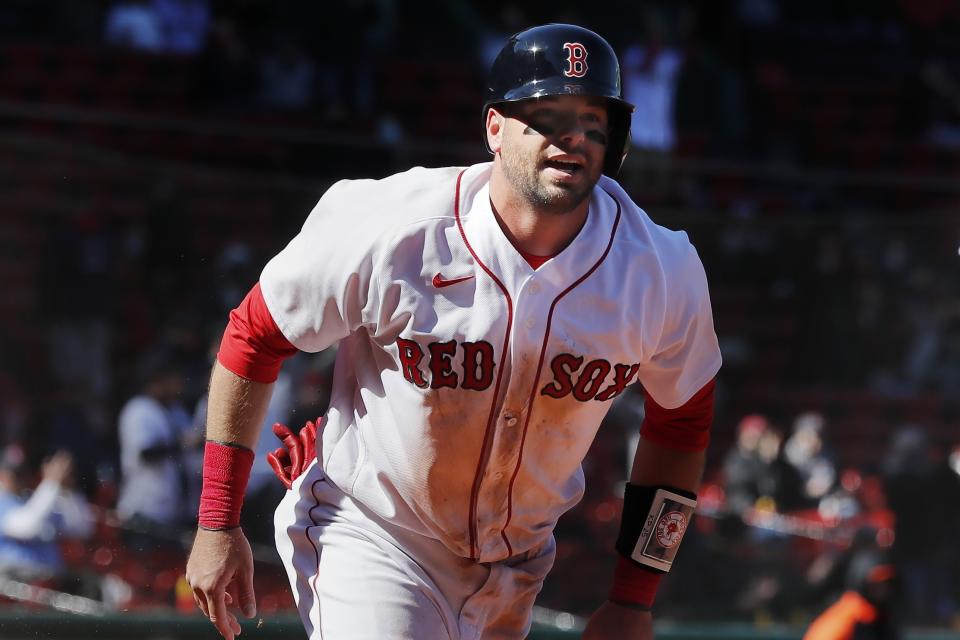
253,347
686,428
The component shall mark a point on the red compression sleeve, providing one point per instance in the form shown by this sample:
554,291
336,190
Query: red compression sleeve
226,470
686,428
633,584
253,347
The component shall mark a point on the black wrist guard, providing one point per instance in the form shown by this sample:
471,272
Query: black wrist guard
653,523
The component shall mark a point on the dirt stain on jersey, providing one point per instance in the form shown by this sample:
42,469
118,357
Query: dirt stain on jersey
452,443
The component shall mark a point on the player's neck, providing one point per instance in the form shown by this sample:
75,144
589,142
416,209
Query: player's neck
536,232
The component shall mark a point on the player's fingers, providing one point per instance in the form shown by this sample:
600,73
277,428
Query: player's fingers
283,474
281,430
219,615
308,440
295,449
234,624
308,436
282,456
248,600
201,601
233,594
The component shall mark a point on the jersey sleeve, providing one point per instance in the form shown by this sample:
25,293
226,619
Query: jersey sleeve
252,346
687,354
686,428
322,286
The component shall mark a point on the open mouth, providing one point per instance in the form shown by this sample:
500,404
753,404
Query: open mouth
569,168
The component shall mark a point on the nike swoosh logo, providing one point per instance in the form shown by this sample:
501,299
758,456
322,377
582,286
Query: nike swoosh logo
440,283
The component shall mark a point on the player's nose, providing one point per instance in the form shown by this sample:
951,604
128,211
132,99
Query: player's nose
572,133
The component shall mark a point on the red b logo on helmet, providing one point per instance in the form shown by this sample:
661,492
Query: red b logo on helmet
576,60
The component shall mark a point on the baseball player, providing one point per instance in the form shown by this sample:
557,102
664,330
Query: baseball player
486,317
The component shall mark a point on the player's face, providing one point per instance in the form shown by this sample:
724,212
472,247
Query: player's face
552,149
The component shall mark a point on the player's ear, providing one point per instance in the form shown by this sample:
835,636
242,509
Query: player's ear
494,129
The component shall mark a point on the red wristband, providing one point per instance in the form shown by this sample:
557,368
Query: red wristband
226,470
633,584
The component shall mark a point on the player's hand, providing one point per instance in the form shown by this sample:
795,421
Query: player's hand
220,572
298,451
613,621
58,468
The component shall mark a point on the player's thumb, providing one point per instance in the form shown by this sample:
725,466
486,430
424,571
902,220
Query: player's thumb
248,600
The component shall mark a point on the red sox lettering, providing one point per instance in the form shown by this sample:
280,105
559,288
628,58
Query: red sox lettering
476,365
596,380
588,383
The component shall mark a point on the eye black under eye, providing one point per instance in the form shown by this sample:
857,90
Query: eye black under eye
598,137
545,116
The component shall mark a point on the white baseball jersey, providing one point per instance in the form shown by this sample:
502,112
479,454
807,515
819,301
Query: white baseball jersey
150,489
468,386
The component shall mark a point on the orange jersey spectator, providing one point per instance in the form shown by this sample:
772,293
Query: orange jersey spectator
857,616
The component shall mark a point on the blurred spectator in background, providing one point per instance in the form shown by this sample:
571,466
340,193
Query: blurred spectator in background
650,69
287,76
79,423
941,88
947,364
924,502
226,73
185,25
858,500
865,611
154,430
804,451
362,37
743,469
933,360
758,14
711,111
159,26
952,523
780,484
134,24
34,518
510,20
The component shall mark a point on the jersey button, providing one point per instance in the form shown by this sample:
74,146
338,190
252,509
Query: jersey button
510,419
534,287
531,323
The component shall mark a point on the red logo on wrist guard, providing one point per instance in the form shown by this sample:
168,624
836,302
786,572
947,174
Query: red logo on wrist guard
670,528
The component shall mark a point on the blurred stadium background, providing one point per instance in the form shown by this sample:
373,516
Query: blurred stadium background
154,154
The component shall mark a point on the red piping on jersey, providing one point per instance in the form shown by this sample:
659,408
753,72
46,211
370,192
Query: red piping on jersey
316,551
543,354
487,435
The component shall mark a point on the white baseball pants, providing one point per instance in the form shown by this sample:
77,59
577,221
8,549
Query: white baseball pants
355,576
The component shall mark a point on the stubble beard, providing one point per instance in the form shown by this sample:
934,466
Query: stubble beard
552,198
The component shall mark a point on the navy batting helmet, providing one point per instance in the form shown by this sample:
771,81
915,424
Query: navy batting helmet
563,59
